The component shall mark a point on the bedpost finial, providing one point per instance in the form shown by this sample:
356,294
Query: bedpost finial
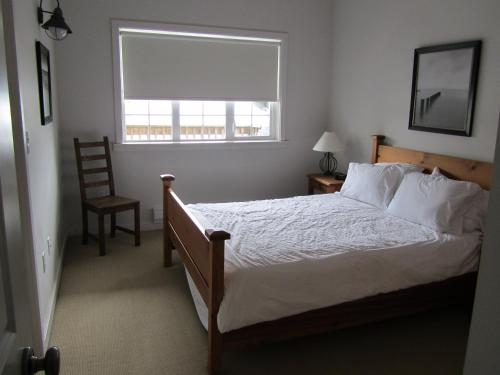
167,179
217,234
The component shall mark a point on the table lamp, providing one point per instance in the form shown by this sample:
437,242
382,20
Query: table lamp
328,143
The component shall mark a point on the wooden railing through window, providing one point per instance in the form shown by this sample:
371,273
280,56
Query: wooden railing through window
165,132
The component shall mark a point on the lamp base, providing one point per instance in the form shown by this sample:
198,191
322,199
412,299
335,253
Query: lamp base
328,164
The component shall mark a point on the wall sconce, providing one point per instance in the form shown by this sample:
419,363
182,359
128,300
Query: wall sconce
55,28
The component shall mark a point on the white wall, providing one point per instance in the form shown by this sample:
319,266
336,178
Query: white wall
484,337
86,102
372,61
43,159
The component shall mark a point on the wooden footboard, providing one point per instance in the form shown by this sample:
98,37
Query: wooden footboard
202,252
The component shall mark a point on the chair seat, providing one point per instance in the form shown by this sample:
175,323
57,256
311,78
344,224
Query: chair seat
111,203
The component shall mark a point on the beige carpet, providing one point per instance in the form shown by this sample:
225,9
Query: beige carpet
126,314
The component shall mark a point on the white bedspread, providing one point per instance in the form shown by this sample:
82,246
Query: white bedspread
288,256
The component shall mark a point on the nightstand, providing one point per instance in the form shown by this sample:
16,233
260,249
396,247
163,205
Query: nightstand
325,184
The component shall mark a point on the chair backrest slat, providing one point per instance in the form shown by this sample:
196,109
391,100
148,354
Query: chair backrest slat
95,170
82,172
91,144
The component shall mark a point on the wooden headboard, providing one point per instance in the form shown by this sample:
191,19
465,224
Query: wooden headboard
479,172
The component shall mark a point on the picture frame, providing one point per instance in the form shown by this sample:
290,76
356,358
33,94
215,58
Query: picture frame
444,88
44,83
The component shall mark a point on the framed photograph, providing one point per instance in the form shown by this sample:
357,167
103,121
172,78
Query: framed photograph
444,88
44,86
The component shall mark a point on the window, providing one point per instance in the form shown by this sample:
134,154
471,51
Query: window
202,120
252,119
148,120
152,120
189,84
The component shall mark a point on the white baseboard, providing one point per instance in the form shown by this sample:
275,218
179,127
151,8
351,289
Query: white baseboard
53,297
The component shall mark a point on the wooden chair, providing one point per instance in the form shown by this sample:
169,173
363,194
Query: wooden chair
103,205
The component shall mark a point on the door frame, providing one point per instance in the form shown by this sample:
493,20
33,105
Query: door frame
20,149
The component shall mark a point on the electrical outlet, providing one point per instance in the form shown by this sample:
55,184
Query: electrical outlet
49,245
43,261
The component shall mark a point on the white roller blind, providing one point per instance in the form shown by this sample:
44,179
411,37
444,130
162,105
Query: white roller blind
179,67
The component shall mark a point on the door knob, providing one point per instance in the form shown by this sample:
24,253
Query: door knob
32,364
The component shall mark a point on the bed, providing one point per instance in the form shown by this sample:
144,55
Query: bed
228,283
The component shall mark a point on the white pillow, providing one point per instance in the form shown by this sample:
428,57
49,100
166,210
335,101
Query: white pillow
475,214
372,184
433,201
436,172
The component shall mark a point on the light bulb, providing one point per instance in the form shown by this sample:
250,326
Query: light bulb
56,33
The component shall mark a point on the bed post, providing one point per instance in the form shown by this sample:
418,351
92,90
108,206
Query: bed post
216,292
377,140
167,243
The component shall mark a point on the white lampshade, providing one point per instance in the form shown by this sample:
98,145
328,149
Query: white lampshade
329,142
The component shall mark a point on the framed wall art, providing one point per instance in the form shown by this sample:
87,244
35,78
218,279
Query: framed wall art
44,82
444,88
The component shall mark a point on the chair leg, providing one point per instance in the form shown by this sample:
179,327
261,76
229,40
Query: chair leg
85,226
113,225
102,244
137,224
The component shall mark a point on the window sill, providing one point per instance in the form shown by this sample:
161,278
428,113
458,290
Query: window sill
214,145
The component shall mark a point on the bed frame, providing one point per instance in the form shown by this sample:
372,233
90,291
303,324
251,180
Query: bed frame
202,252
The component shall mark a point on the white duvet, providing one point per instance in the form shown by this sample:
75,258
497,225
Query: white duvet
288,256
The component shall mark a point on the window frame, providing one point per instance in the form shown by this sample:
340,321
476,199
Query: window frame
277,128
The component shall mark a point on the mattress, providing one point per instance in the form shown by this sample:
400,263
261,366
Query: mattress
288,256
